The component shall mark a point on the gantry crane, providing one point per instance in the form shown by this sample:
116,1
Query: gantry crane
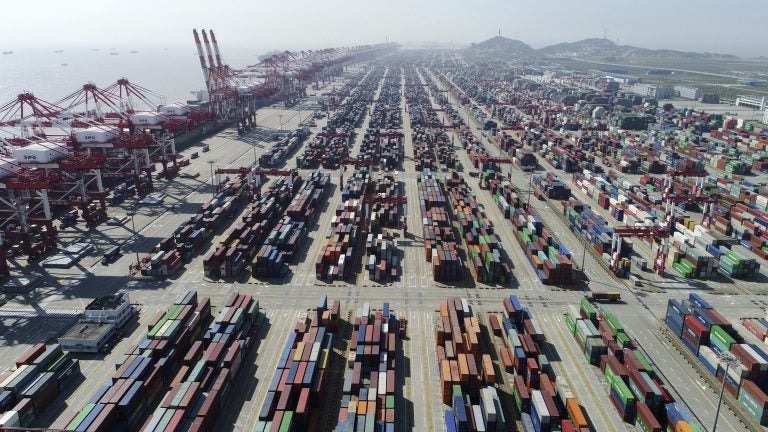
656,232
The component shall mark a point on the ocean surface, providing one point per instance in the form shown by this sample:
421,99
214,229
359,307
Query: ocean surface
171,72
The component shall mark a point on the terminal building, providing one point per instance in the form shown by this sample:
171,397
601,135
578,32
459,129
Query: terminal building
752,102
101,320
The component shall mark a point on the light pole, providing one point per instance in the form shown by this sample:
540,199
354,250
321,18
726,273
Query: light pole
133,226
213,180
729,359
280,116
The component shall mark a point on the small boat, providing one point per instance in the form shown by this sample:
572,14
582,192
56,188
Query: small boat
114,53
94,49
7,52
134,52
64,64
58,51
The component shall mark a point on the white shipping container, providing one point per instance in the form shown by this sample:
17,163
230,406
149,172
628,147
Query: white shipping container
40,152
174,109
489,409
146,118
10,419
96,134
382,390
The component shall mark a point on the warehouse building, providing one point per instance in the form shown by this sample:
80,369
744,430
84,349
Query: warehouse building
688,92
653,90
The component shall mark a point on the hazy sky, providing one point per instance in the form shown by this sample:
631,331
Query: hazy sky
737,26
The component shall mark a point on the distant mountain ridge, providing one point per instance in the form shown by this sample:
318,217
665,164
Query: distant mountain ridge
594,48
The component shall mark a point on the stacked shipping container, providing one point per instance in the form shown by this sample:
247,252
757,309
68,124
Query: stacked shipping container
41,373
209,370
543,399
550,261
280,244
439,238
636,391
294,394
239,246
487,259
707,334
368,400
142,375
170,253
467,375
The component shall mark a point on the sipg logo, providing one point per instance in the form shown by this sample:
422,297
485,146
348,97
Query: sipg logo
30,157
89,137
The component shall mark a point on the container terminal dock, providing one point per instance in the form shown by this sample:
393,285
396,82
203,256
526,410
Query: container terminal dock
380,239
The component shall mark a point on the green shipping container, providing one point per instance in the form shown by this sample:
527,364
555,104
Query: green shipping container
588,308
720,337
571,323
456,391
518,402
80,416
287,424
643,361
622,339
624,392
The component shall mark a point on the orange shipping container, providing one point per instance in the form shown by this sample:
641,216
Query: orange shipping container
576,414
362,407
445,371
463,368
488,371
455,376
444,310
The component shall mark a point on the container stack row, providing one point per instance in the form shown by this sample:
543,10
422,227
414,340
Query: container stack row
708,335
543,399
550,261
551,186
439,236
383,257
488,262
240,244
335,260
327,149
143,374
467,376
423,151
597,232
210,368
299,384
41,373
276,155
371,374
386,214
169,255
383,148
280,244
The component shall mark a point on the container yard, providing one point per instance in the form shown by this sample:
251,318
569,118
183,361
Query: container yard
496,246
